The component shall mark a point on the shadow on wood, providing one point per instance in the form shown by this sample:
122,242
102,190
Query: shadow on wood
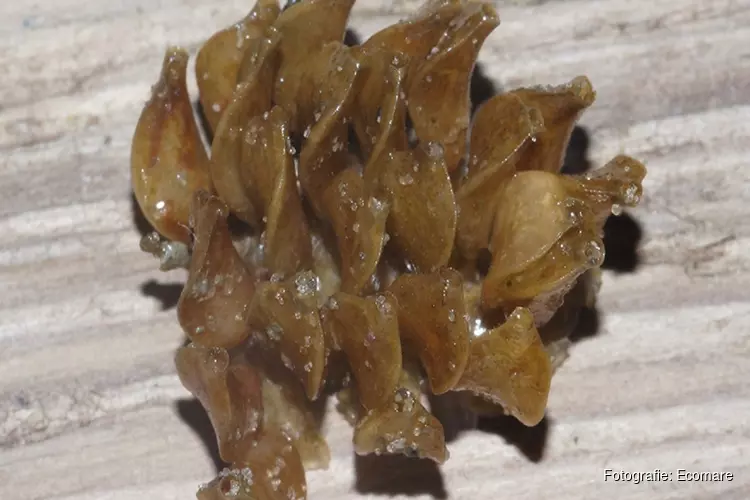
531,441
622,237
576,156
351,38
481,89
142,225
588,324
202,121
398,475
622,233
192,413
452,409
168,294
453,413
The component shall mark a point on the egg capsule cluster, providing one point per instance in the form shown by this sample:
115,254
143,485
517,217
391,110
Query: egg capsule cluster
335,233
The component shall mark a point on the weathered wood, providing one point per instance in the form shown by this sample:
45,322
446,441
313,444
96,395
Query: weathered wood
89,402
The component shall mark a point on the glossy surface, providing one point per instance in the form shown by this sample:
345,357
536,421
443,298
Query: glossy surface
502,129
168,162
230,390
268,173
286,314
366,329
360,258
251,98
548,227
432,322
213,305
218,63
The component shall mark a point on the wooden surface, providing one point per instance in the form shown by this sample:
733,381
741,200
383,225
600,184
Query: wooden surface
90,407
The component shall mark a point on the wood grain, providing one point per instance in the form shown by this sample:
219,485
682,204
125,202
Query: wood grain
90,407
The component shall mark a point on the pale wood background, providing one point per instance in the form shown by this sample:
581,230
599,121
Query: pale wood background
88,394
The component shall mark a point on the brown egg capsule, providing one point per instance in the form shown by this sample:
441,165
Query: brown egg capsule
229,390
217,65
287,315
272,470
367,331
432,319
404,427
213,307
168,162
509,366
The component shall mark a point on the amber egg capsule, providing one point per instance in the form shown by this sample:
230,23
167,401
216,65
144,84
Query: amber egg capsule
168,162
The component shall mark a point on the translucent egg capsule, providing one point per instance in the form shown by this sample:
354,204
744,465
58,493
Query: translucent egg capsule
168,162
